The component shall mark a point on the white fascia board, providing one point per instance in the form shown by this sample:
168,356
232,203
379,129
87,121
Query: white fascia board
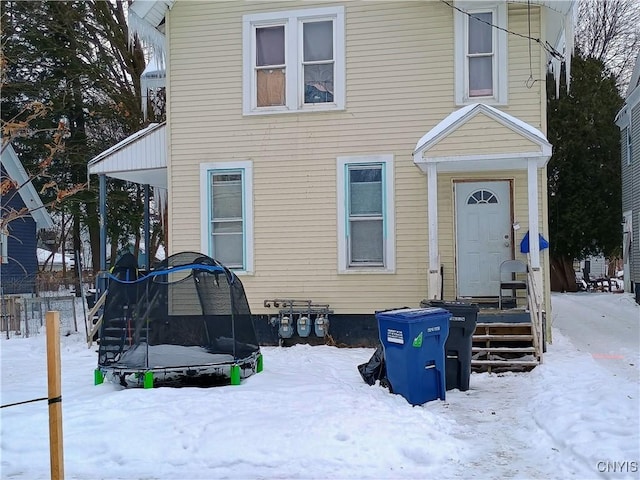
463,115
483,163
634,83
623,118
92,166
27,191
443,128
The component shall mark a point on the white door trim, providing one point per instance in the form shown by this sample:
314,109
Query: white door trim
494,252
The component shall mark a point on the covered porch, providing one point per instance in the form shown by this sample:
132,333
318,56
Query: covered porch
486,189
140,158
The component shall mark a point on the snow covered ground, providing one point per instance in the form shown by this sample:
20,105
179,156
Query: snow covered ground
310,415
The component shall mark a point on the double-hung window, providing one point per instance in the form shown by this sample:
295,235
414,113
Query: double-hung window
227,213
366,216
293,61
480,53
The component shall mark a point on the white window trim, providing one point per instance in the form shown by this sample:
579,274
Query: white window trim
292,19
500,78
389,214
205,205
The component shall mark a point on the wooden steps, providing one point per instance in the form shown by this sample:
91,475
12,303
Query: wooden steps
504,349
503,346
503,338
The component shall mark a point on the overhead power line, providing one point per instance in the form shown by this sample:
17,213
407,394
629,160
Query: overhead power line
545,45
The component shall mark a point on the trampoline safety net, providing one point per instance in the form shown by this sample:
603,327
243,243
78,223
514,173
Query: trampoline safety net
188,321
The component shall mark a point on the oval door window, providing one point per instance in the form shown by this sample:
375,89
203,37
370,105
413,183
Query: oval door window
482,196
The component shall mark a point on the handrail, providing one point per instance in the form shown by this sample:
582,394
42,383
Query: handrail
94,328
536,311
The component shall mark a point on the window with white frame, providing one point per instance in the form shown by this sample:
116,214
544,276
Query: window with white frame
226,190
480,53
366,239
293,61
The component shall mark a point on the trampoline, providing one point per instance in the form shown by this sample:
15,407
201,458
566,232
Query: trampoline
186,322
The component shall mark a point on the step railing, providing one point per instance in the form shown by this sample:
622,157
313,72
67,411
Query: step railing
536,309
94,327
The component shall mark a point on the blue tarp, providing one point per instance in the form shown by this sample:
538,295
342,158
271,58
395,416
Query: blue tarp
524,244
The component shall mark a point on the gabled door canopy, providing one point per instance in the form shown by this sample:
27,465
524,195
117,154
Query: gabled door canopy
537,148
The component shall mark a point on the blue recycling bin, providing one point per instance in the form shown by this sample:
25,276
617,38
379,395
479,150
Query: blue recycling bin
413,340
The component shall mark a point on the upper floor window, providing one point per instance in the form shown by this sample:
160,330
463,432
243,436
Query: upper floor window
480,53
227,213
294,61
365,207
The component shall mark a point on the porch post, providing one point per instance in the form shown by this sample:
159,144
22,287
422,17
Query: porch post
147,227
434,256
534,244
101,285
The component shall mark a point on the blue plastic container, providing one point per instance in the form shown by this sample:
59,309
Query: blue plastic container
413,340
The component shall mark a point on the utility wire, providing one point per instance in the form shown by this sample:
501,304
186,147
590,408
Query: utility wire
545,45
530,81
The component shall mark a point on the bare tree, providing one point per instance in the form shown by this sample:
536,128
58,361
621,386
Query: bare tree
609,31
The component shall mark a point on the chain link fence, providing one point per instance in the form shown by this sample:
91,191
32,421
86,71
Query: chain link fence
24,316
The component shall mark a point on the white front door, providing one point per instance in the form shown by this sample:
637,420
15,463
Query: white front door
483,235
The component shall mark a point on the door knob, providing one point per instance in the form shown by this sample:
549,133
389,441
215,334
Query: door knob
506,244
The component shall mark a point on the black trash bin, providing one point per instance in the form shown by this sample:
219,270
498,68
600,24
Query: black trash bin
458,348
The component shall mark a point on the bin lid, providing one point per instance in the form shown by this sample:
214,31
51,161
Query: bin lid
413,314
455,305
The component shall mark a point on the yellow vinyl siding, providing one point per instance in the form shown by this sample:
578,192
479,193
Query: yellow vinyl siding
399,80
525,93
482,135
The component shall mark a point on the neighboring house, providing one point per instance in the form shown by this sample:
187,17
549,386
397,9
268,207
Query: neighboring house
360,155
628,120
19,243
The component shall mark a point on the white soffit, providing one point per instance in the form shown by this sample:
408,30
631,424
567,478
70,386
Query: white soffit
139,158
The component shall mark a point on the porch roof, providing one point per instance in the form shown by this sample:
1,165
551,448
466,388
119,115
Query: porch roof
522,142
139,158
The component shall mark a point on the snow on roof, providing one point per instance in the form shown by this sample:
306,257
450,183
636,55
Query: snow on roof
461,116
44,254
